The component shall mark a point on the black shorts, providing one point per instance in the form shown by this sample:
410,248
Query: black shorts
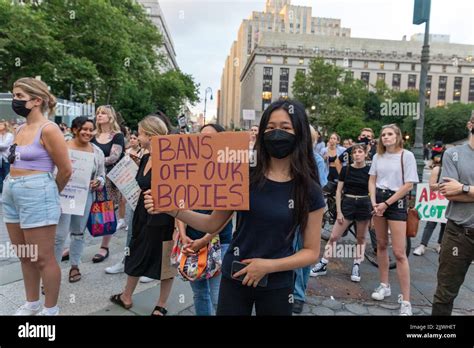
358,209
397,211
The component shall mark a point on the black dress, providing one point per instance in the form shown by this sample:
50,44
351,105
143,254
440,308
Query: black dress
149,233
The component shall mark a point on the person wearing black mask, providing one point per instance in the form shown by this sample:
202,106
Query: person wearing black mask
366,137
285,199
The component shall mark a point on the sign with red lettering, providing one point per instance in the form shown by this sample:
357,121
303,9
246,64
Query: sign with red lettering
201,171
431,205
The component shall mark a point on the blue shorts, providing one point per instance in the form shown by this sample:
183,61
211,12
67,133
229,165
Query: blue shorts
32,201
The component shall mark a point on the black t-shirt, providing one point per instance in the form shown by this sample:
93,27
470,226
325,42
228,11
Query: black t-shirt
356,180
347,156
263,231
118,139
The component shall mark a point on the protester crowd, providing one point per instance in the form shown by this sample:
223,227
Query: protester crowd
278,244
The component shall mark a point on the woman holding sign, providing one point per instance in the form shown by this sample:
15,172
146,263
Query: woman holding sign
83,132
150,234
31,207
284,194
392,175
112,143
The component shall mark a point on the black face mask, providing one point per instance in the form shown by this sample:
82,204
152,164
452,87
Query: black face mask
279,143
19,106
365,140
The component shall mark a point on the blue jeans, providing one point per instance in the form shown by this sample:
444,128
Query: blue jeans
301,274
206,291
74,225
4,171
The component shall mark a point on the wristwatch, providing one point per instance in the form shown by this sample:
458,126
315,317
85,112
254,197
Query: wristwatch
466,189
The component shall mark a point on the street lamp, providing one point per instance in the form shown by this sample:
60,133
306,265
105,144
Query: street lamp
422,15
208,90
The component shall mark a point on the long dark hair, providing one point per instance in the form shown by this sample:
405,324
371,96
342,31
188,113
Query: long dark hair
302,162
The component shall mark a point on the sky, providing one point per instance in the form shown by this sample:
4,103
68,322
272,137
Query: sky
203,30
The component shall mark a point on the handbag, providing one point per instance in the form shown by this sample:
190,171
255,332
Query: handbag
204,264
413,218
102,220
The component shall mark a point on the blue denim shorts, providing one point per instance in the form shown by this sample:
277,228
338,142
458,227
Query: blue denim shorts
32,201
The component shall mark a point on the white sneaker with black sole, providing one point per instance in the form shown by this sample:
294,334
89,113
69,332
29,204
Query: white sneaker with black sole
319,269
381,292
355,275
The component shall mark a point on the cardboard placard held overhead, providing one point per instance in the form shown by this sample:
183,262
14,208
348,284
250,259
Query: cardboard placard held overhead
201,171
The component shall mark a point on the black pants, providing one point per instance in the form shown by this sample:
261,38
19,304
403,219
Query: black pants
457,253
236,299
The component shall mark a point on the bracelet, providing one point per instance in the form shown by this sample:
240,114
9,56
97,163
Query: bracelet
177,214
388,205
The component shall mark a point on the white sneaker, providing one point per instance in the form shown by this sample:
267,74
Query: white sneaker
44,312
381,292
24,310
122,224
146,280
115,269
405,308
420,250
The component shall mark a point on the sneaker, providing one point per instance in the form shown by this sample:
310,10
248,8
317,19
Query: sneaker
319,269
122,224
355,276
24,310
298,306
420,250
405,308
115,269
44,312
381,292
146,280
438,248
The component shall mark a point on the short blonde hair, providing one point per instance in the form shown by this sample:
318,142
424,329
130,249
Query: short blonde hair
38,89
153,125
381,149
110,111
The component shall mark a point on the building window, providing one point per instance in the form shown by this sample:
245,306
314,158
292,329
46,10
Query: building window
444,68
428,86
413,67
382,65
365,76
457,89
396,78
443,81
284,79
411,82
381,77
285,60
470,97
269,59
347,51
366,64
459,69
397,66
301,61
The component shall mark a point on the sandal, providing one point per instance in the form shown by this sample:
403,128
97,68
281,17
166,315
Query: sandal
99,258
73,278
118,301
162,310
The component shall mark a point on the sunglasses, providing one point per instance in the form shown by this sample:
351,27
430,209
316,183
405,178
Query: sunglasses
12,155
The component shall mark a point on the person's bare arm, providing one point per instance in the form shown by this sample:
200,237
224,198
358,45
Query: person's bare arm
434,186
340,186
54,143
452,190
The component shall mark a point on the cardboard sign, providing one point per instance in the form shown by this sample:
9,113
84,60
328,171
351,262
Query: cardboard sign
73,198
123,176
201,171
431,205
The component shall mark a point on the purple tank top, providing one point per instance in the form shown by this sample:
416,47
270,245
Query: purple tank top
33,156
